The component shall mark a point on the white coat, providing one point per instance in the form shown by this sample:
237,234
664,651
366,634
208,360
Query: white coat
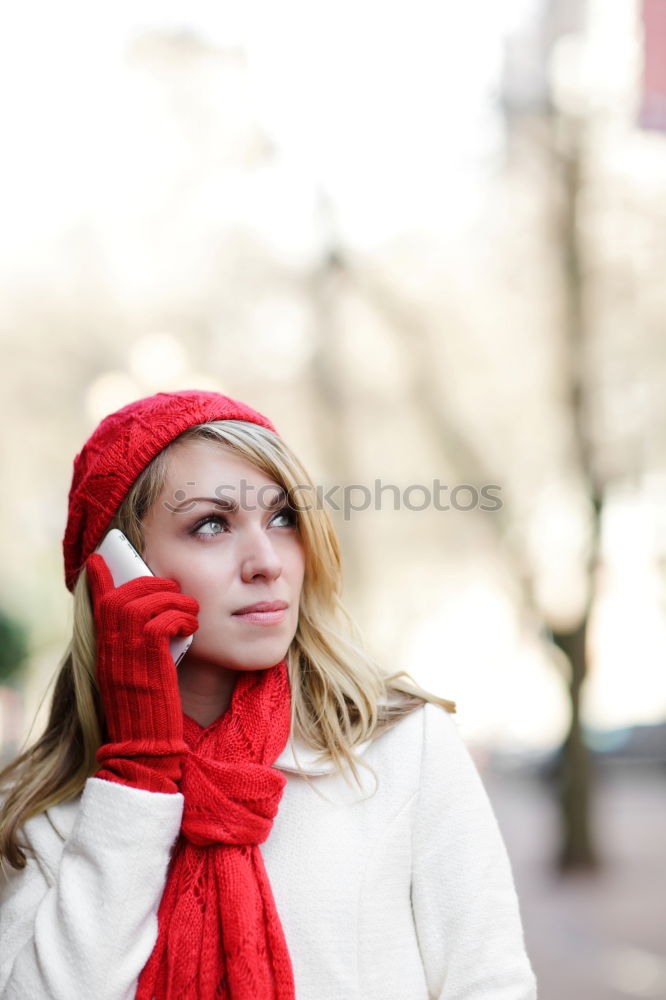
402,892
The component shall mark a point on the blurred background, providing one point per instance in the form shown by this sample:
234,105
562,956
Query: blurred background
428,239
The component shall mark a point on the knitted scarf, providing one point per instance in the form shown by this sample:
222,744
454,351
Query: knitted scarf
220,936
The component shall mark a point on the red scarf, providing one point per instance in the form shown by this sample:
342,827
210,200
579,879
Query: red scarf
220,936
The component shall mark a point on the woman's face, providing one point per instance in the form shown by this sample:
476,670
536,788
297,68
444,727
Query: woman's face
228,558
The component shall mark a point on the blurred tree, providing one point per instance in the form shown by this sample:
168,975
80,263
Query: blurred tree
328,383
576,849
559,137
13,647
559,140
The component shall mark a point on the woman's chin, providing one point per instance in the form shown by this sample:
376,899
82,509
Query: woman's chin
257,659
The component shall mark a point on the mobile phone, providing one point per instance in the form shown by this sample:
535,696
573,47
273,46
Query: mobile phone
125,564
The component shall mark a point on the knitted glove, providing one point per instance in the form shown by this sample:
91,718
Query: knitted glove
137,678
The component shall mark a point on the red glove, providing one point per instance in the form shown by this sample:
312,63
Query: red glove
137,677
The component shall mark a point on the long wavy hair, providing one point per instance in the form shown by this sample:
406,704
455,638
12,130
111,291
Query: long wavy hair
339,696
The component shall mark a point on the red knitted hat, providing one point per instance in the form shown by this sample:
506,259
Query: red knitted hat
120,448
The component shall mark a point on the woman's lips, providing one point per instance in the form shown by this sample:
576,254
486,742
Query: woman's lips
261,617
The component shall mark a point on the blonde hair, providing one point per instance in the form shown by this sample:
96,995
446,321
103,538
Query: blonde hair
340,696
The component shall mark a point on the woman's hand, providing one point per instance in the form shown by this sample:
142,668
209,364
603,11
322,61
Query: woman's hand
137,677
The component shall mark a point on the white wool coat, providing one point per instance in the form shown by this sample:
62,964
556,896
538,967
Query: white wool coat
401,892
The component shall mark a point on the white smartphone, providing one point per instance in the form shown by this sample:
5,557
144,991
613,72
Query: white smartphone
125,564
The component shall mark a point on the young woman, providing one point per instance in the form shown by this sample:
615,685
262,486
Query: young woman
275,817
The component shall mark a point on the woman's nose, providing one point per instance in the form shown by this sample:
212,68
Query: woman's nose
259,556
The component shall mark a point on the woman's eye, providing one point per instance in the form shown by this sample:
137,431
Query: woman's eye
210,526
288,516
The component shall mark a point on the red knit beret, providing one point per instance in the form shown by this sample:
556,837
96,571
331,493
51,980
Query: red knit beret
120,448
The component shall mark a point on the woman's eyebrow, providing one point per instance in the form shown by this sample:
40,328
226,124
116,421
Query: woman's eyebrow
227,504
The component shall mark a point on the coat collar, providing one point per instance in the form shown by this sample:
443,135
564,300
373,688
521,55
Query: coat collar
299,758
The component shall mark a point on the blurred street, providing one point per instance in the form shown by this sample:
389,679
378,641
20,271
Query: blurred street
594,936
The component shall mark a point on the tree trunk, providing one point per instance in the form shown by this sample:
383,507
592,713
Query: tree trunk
575,776
574,780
